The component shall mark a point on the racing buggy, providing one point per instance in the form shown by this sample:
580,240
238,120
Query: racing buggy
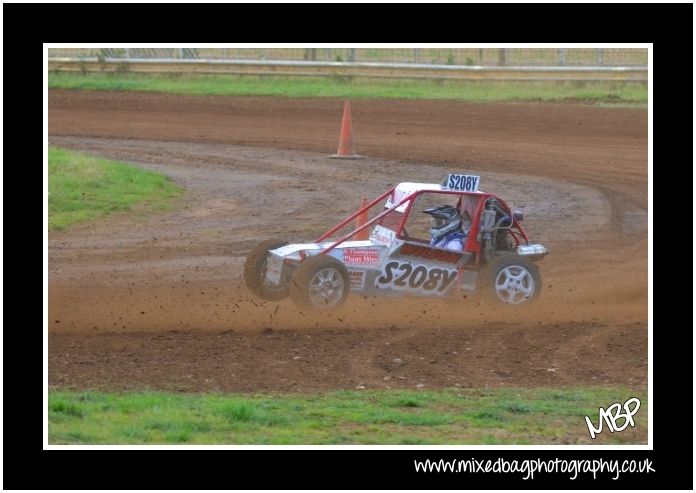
390,254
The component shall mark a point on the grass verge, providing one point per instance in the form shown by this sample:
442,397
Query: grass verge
83,187
346,87
453,416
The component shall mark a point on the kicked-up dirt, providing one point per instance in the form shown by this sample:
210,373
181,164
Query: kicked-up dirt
158,301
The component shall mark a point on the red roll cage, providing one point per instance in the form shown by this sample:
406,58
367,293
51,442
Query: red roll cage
472,244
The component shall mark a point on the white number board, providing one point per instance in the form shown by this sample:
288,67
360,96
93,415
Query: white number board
466,183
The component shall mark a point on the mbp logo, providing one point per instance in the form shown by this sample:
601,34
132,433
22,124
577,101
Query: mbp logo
612,414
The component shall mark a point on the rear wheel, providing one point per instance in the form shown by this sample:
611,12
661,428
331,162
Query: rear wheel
255,272
320,283
514,280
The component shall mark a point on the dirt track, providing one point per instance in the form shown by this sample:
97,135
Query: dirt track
158,302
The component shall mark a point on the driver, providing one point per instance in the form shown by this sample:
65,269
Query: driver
449,229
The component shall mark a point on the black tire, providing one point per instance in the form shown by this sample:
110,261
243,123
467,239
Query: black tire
255,272
320,283
513,280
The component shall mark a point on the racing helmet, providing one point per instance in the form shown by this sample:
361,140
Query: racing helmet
445,219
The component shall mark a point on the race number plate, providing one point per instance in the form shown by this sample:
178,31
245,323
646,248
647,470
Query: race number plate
465,183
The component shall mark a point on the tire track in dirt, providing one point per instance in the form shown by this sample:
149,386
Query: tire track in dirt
333,357
158,302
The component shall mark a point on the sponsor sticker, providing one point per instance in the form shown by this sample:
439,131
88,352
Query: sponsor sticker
449,256
357,280
360,256
401,192
382,235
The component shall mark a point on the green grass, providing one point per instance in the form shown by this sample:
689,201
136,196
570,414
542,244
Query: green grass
83,187
453,416
231,85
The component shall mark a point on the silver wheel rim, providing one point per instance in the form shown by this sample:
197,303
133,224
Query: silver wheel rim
514,285
326,288
271,288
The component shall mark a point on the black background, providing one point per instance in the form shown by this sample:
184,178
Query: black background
26,27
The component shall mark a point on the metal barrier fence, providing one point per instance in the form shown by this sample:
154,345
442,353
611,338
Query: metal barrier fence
490,57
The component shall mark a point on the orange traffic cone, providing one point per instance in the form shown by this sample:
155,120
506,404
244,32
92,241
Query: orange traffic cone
360,220
345,145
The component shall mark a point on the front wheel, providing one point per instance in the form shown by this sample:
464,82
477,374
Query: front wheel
255,272
320,283
514,281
